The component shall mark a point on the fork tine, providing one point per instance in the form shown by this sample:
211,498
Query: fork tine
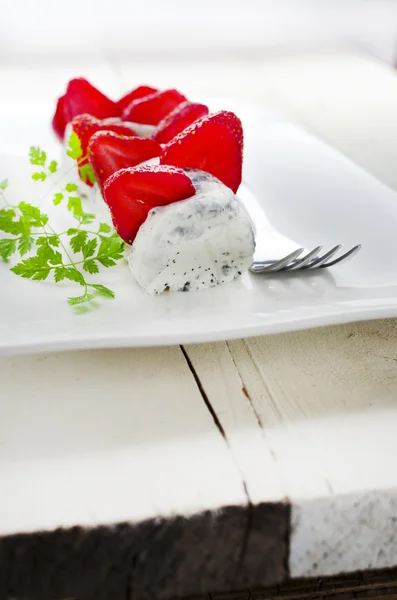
301,262
317,262
264,267
280,264
342,258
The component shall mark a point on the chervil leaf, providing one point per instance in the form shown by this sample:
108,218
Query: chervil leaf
56,259
25,244
33,263
104,245
57,198
7,248
75,206
42,240
102,290
87,218
24,225
39,176
6,219
33,214
8,224
32,268
77,241
53,166
41,274
111,245
90,266
117,246
74,274
89,248
106,261
59,274
104,228
53,240
87,174
37,156
44,252
117,255
48,255
80,299
74,146
105,249
71,187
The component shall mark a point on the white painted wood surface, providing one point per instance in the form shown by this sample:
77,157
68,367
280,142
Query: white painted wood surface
107,436
332,435
309,416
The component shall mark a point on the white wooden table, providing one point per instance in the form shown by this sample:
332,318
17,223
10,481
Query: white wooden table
219,468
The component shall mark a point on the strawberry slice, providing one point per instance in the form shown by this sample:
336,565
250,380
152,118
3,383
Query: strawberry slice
153,108
61,117
85,126
109,152
178,119
132,193
213,143
139,92
81,97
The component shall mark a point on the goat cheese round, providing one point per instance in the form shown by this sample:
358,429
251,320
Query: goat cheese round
196,243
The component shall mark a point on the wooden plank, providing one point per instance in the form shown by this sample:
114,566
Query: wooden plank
173,558
116,457
369,585
116,433
334,442
228,396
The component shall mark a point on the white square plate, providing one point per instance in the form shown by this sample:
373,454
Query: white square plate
310,193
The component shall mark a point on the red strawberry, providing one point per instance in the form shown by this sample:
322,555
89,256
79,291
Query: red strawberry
153,108
109,152
132,193
85,126
85,98
81,97
214,144
178,119
61,117
139,92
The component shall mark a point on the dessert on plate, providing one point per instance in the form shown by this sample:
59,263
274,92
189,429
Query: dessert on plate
168,172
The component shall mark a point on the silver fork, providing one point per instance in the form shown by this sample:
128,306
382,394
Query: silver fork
310,260
270,242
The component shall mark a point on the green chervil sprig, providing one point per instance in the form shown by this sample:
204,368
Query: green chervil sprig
70,254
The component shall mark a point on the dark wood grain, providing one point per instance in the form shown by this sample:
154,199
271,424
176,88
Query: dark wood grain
233,548
367,585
